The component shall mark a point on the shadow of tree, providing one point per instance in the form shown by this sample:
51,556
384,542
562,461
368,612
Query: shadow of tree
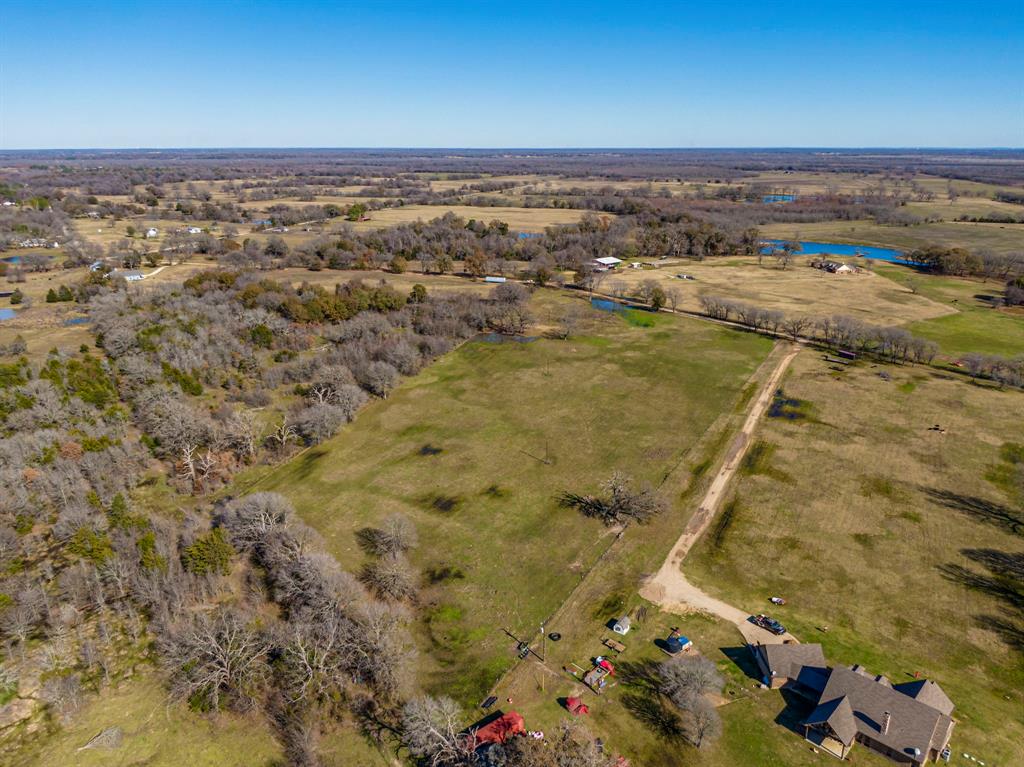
980,509
1004,582
651,712
642,674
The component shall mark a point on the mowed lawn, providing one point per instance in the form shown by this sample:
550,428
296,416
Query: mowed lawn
477,448
975,326
861,516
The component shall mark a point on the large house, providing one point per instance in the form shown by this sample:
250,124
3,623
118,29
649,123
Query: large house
910,723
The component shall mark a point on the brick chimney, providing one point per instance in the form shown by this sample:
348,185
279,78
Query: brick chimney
886,718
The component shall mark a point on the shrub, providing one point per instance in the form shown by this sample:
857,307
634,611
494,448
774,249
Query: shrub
210,554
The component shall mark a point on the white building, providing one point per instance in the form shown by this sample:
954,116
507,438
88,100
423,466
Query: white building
152,232
194,230
606,262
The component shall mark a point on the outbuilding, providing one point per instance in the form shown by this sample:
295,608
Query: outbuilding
622,625
606,262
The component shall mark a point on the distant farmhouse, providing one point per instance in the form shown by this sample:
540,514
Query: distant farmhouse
835,267
128,275
910,723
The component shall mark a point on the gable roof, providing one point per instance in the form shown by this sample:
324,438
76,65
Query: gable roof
929,693
913,724
838,715
786,660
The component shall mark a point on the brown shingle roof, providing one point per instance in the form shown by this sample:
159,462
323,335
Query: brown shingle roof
927,692
913,724
837,714
786,660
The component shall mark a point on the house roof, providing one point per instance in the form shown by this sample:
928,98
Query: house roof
608,260
927,692
838,715
913,723
786,660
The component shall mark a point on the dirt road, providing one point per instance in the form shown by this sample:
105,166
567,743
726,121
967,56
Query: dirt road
669,588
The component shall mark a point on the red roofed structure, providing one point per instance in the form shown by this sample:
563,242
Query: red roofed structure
501,729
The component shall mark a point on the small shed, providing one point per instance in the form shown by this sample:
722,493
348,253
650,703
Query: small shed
152,232
576,706
494,279
622,625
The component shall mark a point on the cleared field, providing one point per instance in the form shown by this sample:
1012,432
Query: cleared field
873,526
975,326
999,238
798,290
950,210
156,734
476,449
518,219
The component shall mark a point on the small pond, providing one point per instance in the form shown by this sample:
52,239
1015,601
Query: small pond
605,305
778,198
811,248
7,314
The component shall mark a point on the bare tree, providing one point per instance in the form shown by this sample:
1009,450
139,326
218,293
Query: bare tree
685,680
391,577
431,730
218,659
702,724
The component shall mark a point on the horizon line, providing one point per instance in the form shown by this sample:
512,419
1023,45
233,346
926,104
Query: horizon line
595,148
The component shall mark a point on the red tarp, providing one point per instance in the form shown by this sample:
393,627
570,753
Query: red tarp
501,729
607,666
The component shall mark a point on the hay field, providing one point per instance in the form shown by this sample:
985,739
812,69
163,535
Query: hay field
861,517
476,449
798,290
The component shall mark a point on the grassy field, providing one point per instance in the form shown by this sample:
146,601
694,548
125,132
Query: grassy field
155,734
798,290
518,219
861,516
476,448
975,326
999,238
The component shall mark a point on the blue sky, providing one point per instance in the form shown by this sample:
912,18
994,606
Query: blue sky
512,74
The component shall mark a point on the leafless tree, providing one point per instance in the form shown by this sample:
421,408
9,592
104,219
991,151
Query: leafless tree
685,680
217,659
391,577
431,730
702,724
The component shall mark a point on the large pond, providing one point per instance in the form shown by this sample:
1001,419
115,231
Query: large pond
839,249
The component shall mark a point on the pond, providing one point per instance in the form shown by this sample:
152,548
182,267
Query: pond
7,314
76,321
838,249
12,260
604,305
778,198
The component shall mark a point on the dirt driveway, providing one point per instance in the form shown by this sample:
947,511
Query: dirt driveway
669,588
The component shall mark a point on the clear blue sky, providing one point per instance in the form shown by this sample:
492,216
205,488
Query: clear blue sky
511,74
